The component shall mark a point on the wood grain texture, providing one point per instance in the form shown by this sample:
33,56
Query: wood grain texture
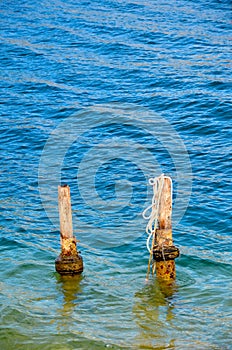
165,212
165,270
65,212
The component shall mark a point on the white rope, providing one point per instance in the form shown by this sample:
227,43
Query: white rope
157,183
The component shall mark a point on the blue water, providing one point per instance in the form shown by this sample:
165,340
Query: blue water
103,96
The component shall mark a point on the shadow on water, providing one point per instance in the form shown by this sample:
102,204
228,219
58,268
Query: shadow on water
154,315
70,287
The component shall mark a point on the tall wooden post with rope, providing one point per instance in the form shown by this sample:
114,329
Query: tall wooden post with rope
69,262
162,250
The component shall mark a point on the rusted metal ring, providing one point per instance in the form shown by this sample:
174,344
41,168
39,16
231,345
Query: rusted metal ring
165,253
69,265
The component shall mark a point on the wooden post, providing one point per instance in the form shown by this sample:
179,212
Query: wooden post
69,262
164,251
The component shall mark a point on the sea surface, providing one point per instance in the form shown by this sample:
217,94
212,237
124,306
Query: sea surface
104,95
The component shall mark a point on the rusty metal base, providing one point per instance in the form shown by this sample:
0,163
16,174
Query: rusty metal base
164,262
165,270
69,265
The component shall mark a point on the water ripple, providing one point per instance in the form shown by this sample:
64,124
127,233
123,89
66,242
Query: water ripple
58,58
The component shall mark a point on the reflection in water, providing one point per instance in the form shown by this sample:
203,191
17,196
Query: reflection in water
154,315
70,286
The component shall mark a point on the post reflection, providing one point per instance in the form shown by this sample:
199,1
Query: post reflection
154,315
70,286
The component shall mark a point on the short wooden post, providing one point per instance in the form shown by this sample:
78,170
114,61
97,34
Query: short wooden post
164,252
69,262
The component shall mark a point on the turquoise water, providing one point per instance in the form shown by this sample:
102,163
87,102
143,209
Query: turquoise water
103,96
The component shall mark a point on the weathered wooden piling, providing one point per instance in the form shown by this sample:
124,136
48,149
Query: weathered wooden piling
164,252
69,262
